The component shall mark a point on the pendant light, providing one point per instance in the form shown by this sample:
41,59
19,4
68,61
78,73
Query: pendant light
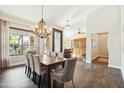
40,28
67,31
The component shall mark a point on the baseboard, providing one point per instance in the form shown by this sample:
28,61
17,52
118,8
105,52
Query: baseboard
122,73
99,56
94,58
114,66
103,56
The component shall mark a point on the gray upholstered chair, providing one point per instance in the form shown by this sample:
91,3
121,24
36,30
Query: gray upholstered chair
31,52
39,69
66,74
27,64
32,66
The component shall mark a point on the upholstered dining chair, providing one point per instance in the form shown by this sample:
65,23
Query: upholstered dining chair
31,52
32,66
27,65
66,74
39,69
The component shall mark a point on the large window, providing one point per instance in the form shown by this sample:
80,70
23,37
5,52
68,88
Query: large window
26,44
18,44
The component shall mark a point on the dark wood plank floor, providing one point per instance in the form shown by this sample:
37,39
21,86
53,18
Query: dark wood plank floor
86,76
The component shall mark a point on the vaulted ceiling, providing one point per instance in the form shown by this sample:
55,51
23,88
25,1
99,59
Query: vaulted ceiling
55,15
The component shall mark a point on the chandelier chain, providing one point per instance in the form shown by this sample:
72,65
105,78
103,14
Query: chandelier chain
42,11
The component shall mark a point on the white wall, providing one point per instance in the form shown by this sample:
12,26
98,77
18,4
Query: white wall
100,49
122,40
122,54
106,19
16,21
95,49
103,45
17,60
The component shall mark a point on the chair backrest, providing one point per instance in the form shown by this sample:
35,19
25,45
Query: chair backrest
27,60
31,52
37,64
69,69
31,61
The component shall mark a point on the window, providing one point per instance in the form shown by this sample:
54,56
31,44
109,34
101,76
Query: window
19,44
15,43
26,43
45,45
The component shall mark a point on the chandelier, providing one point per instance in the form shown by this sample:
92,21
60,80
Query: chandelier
68,31
40,28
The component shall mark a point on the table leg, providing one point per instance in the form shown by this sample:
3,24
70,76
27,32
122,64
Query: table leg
49,78
63,64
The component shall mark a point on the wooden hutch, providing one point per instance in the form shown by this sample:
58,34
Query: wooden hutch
79,46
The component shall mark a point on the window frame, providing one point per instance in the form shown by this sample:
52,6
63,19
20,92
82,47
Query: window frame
22,40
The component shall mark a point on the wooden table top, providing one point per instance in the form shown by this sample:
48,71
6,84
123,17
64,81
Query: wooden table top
50,60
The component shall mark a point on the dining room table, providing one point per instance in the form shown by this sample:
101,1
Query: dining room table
49,62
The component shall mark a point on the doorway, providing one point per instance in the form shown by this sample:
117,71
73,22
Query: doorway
99,49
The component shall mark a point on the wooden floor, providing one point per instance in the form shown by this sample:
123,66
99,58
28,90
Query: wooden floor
86,76
96,61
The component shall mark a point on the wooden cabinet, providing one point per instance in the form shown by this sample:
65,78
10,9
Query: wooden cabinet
79,46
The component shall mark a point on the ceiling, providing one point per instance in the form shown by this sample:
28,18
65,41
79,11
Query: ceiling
55,15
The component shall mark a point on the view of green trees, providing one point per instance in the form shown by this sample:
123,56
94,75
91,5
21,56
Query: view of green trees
18,44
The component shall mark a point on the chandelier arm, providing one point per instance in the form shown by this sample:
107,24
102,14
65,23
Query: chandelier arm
43,35
37,34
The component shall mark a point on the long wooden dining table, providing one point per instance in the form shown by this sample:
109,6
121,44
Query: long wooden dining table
49,61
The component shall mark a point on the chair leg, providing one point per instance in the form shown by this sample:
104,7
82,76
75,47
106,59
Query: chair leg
42,79
30,73
25,69
63,64
51,82
39,82
33,79
73,84
35,75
